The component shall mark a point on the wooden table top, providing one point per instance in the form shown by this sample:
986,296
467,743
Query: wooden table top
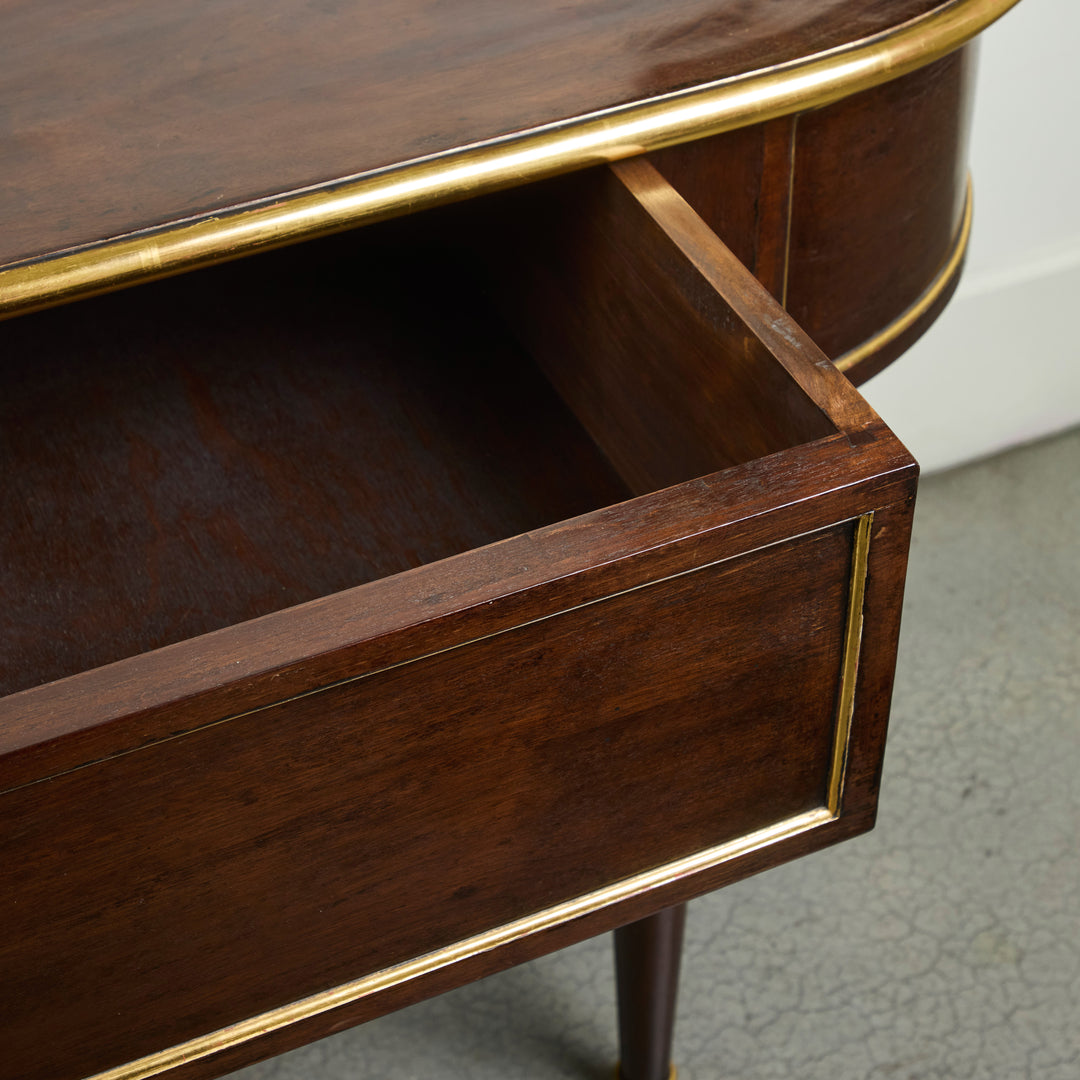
131,116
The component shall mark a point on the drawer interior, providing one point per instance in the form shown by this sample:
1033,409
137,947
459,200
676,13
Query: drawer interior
212,448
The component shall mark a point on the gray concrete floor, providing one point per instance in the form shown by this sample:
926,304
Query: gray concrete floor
945,944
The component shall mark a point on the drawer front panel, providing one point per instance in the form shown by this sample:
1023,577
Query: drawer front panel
482,784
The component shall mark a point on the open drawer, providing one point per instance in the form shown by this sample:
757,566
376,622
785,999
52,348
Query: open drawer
350,654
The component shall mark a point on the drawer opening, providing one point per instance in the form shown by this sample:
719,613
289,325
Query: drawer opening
205,450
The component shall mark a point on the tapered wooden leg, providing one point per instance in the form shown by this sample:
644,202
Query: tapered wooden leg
647,955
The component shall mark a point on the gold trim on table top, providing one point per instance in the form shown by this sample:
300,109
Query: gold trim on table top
306,1008
945,277
594,138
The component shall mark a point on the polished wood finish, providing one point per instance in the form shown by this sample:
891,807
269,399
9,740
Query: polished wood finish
846,214
201,472
740,183
482,784
879,186
660,416
370,600
647,956
218,827
235,103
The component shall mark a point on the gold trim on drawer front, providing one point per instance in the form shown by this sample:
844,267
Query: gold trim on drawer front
845,708
306,1008
246,1030
575,143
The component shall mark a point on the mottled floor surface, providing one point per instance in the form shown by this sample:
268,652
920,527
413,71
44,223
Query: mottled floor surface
946,944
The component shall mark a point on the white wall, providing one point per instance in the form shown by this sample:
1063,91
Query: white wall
1002,364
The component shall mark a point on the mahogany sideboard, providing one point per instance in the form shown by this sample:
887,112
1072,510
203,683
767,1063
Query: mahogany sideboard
383,606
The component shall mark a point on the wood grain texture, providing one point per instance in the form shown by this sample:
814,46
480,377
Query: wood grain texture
306,431
740,184
114,709
846,214
324,791
133,115
704,262
879,192
722,178
247,665
295,848
668,380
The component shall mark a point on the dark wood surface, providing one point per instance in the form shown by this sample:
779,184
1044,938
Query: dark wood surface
647,957
198,453
884,595
863,777
148,698
552,629
712,397
721,290
134,115
740,184
288,851
847,213
878,193
215,828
